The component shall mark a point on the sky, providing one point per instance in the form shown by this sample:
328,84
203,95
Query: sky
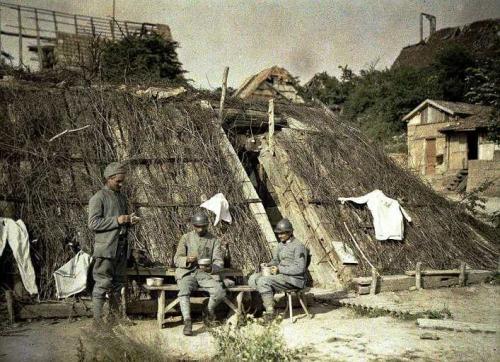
304,36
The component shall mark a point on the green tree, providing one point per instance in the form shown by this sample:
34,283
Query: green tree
451,64
141,57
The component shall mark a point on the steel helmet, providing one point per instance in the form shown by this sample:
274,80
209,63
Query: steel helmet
283,226
199,219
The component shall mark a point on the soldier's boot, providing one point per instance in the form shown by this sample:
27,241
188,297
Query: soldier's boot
185,305
210,317
268,302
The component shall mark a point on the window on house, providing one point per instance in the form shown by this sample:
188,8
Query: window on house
439,159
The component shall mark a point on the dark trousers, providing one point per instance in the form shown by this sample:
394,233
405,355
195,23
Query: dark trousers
110,277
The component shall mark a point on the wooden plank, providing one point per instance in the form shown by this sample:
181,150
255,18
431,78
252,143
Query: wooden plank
450,325
223,95
249,192
373,286
418,276
9,299
20,31
462,276
434,272
170,272
390,283
271,127
83,308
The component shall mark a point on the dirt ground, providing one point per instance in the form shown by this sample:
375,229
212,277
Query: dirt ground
335,333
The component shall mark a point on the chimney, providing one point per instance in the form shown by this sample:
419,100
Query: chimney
432,24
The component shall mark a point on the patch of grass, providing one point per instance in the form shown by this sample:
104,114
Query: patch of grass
253,341
118,344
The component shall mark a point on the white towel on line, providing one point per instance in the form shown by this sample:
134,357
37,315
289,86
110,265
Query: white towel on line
71,278
386,213
220,207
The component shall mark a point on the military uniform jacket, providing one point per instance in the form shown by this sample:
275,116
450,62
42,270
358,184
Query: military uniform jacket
291,260
191,244
104,208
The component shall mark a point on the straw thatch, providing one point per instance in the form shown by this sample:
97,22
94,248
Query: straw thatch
176,161
335,160
175,157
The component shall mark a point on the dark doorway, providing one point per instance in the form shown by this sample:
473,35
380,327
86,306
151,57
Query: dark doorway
472,145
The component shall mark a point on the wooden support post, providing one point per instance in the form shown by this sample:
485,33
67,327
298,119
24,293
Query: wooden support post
290,306
223,95
92,26
20,31
418,275
461,276
239,302
76,25
38,42
112,27
373,286
271,126
126,27
124,301
10,305
54,17
161,309
0,30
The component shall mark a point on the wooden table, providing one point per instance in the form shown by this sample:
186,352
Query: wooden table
161,271
162,309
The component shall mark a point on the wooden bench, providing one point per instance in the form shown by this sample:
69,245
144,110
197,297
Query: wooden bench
163,309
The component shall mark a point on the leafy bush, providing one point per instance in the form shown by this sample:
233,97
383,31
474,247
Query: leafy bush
254,341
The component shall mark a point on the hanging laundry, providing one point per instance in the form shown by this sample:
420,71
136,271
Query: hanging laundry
71,278
16,235
220,207
387,214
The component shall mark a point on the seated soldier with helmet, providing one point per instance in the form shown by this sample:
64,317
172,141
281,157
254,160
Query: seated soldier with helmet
288,267
198,256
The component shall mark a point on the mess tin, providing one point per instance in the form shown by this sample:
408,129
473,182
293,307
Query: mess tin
204,262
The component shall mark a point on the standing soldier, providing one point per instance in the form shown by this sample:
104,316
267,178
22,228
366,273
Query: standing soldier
109,220
289,266
192,271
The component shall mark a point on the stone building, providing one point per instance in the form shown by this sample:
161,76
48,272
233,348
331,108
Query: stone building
448,145
274,82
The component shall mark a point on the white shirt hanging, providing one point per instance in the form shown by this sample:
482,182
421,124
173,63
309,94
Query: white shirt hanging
220,207
387,214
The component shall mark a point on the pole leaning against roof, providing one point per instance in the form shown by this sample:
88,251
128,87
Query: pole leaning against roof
223,95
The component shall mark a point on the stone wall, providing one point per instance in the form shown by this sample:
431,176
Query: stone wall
481,171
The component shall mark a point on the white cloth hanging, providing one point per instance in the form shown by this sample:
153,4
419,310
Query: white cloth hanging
220,207
387,214
71,278
16,235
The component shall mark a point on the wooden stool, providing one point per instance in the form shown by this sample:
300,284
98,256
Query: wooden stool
299,293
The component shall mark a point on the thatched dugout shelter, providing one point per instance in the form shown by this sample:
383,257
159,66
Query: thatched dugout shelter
178,157
320,159
176,162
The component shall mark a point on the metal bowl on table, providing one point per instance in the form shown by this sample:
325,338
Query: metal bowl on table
205,262
154,282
